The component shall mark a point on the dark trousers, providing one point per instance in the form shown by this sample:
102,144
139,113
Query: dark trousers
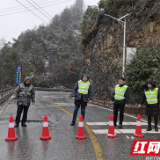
21,109
76,111
155,121
118,107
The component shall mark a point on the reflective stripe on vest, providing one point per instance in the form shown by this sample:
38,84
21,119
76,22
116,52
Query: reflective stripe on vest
151,96
83,87
119,92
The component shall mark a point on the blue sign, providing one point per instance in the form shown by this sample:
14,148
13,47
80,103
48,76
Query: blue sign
19,73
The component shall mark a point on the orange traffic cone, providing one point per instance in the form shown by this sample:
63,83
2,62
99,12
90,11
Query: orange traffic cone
138,131
80,133
11,130
45,131
111,133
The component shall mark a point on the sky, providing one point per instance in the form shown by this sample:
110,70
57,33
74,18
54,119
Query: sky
11,24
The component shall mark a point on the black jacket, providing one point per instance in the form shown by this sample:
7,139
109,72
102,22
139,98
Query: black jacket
151,109
82,97
123,101
25,94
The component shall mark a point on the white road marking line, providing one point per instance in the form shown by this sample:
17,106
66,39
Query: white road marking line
124,113
153,131
129,131
142,123
126,123
90,123
106,123
103,131
120,131
96,123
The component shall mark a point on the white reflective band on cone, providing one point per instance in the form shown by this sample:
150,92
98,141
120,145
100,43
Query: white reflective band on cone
11,125
45,124
138,123
80,124
111,123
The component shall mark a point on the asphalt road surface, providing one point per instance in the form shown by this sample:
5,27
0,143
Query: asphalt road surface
63,145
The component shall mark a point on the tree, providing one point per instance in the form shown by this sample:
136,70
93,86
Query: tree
144,65
89,19
117,7
8,67
47,50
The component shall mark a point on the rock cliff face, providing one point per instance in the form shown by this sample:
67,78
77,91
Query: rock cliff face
103,53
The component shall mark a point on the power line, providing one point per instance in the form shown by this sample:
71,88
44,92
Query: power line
31,11
41,8
46,13
37,9
24,4
34,9
29,6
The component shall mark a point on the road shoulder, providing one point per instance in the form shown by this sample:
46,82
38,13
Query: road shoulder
4,105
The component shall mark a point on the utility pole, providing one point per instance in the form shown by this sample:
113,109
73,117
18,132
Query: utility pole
123,23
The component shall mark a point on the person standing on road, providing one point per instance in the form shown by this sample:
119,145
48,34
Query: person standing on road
82,94
24,95
120,99
152,98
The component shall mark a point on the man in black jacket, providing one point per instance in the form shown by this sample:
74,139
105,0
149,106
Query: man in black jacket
24,95
82,94
120,99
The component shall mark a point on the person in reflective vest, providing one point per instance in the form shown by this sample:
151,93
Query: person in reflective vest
82,94
120,99
151,97
24,95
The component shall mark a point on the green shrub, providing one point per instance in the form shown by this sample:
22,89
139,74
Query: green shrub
117,7
144,65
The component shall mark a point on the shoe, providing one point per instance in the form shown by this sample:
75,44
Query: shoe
24,125
16,125
115,125
156,129
149,129
72,124
120,126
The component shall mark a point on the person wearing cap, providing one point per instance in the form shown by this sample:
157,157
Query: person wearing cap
151,97
82,94
120,99
23,96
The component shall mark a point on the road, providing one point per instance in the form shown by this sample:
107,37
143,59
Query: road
63,145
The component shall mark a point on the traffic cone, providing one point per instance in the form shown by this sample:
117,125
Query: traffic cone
11,130
80,133
45,132
111,132
138,131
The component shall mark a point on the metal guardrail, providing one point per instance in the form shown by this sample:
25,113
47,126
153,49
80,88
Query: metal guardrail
131,110
5,94
52,89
